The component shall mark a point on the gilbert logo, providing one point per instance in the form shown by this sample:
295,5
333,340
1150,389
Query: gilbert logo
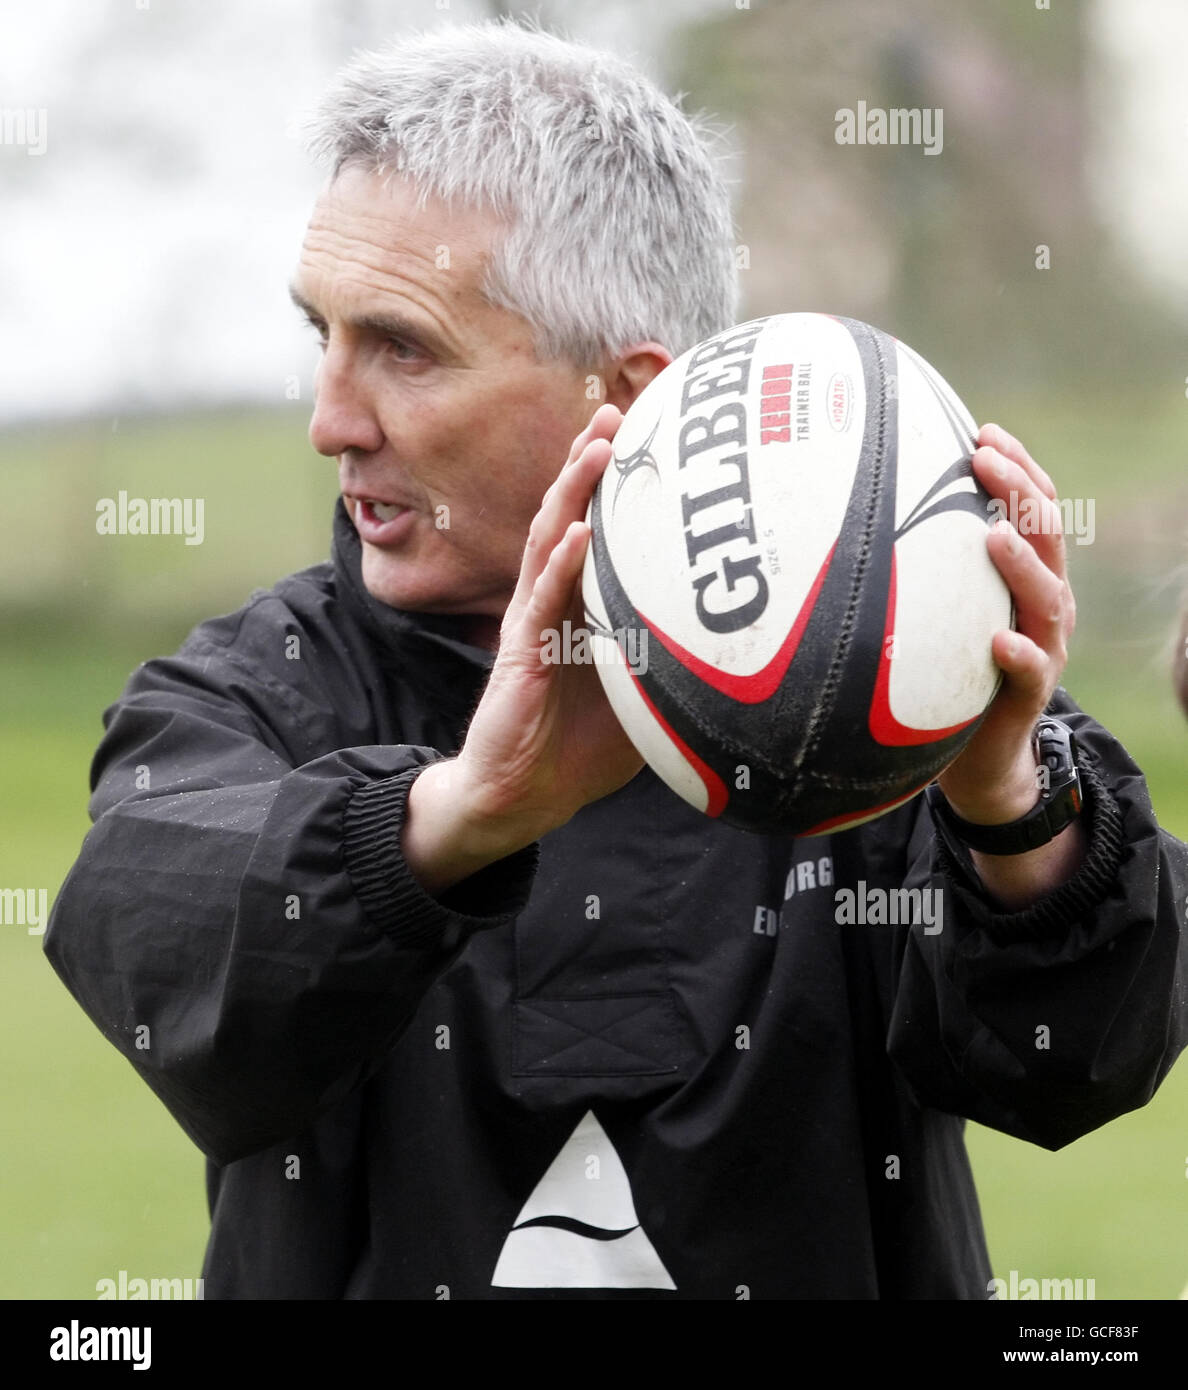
75,1343
729,585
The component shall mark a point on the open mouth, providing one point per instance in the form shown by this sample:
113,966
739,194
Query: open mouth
381,523
382,511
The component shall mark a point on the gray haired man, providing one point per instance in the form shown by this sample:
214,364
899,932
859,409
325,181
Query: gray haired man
457,1000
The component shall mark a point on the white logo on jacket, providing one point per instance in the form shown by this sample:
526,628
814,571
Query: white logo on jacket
804,876
578,1229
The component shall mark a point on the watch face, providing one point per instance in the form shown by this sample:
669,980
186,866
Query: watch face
1058,805
1053,743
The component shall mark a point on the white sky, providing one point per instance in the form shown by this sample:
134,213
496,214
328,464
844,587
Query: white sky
1141,133
144,257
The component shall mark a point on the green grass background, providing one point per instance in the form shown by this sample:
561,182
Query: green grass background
98,1178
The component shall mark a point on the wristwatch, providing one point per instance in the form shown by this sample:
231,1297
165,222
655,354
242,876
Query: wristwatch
1059,800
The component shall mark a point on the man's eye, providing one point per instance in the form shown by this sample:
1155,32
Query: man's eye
319,329
402,351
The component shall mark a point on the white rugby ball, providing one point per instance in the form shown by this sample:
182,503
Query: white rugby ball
787,585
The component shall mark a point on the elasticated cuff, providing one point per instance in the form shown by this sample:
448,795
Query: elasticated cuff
1069,903
392,898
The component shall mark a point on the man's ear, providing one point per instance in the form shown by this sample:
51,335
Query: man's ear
627,376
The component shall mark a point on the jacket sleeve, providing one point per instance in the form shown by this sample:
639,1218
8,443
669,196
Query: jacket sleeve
1048,1022
240,923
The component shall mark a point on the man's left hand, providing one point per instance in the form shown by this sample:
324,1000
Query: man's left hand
994,779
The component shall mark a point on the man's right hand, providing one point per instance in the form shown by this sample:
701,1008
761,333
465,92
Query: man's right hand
544,740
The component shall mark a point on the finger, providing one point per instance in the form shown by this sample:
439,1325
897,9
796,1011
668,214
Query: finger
565,502
1027,669
1019,500
552,594
1009,446
603,424
568,497
579,443
1027,685
582,440
1043,602
607,419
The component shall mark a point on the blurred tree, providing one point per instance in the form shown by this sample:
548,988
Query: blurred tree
989,255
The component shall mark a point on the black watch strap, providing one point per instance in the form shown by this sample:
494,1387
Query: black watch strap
1059,800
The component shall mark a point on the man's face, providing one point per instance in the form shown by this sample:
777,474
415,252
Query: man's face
446,429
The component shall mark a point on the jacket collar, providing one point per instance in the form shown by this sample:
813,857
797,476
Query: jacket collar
394,629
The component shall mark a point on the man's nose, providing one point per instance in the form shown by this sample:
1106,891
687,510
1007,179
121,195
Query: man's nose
344,416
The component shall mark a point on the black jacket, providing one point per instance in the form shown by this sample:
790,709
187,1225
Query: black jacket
725,1092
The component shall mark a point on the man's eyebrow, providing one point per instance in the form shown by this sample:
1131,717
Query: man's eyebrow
387,325
304,305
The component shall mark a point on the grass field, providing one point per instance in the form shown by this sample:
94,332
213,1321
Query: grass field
97,1177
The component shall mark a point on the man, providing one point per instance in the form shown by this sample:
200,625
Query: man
498,1024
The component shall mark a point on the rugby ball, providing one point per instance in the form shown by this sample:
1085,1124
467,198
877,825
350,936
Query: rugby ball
787,586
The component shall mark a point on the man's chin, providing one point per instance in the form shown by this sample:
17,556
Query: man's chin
384,581
401,585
